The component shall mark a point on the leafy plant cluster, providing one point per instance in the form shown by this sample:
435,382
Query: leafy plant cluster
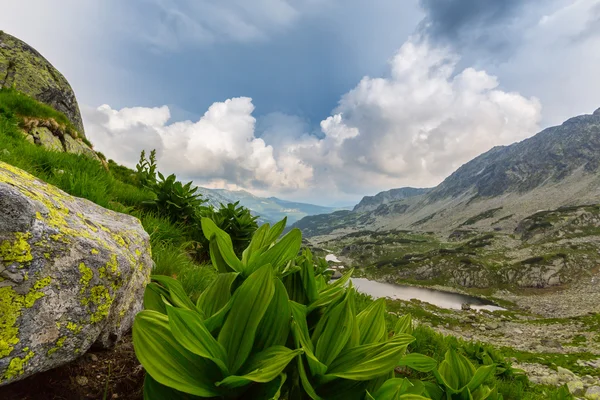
271,326
183,205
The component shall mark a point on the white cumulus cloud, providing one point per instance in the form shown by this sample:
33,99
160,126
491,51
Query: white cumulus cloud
410,128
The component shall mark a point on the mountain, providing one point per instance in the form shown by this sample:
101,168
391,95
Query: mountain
557,167
370,203
270,209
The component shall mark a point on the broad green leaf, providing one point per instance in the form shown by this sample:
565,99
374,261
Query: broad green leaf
295,289
337,330
248,306
480,376
275,231
215,322
332,292
433,390
306,384
257,242
155,391
216,296
368,361
411,396
283,251
262,367
153,297
177,295
274,328
307,272
302,338
211,230
404,325
216,258
167,361
418,362
371,322
392,389
267,391
188,329
455,372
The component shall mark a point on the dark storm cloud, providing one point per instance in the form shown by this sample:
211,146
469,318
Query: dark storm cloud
480,23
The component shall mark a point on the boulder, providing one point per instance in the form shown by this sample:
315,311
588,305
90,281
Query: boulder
593,393
23,68
43,137
72,274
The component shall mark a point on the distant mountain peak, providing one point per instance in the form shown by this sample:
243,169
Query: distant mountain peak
597,112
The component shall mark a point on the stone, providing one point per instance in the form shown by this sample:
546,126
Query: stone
576,388
465,306
593,393
551,343
565,372
43,137
492,325
25,69
72,274
77,146
81,380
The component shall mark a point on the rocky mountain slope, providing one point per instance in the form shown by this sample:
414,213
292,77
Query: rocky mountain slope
370,203
557,167
269,209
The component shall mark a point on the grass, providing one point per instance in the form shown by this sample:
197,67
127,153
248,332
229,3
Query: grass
25,106
114,189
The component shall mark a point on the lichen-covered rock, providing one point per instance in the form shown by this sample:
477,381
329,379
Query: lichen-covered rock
71,274
29,72
45,138
76,146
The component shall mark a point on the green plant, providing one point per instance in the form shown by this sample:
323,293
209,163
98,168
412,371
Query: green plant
146,169
235,220
272,326
178,202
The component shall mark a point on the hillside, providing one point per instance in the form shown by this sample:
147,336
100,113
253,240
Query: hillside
270,209
370,203
557,167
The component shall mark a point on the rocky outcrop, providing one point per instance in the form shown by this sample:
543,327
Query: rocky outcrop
72,274
370,203
23,68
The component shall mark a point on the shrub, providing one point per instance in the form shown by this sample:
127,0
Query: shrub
177,201
235,220
272,326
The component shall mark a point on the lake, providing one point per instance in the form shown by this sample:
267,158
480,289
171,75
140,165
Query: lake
436,297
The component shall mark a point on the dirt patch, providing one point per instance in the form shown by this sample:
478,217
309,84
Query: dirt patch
111,374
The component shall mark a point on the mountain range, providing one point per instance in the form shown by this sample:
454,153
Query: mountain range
557,167
269,209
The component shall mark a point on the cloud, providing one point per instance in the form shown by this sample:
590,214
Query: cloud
169,25
413,127
490,28
220,148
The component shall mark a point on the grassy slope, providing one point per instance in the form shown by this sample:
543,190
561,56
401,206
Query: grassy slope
114,189
83,177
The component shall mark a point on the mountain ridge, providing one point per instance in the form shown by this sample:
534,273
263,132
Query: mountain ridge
556,167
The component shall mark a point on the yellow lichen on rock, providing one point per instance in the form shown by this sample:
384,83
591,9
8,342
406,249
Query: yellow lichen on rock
17,250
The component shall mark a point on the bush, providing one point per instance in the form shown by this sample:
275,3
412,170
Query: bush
271,326
177,201
235,220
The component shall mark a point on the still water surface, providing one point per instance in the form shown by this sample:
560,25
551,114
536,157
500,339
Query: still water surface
436,297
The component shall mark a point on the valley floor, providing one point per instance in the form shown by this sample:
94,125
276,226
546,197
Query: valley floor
553,335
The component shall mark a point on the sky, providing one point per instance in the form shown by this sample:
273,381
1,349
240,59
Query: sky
322,101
